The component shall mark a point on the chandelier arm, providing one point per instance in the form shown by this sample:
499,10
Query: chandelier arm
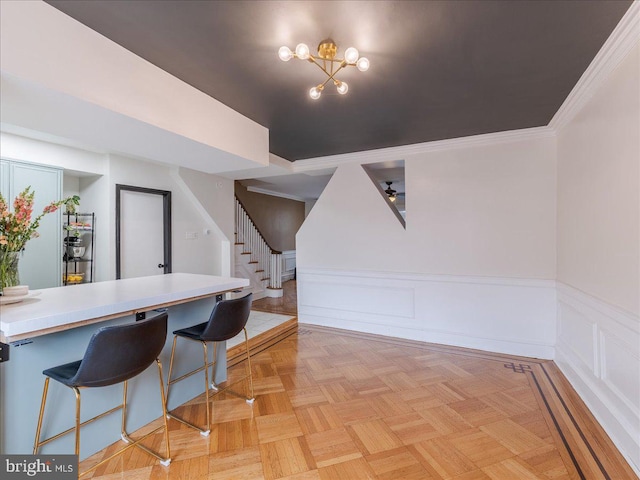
334,60
315,62
321,86
332,76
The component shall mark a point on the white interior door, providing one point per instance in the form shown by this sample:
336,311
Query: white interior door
141,234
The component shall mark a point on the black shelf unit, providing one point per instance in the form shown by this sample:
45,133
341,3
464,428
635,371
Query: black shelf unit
85,224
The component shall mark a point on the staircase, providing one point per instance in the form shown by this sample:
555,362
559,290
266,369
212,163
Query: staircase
255,259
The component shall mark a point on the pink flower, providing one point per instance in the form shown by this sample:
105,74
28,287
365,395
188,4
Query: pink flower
17,227
50,208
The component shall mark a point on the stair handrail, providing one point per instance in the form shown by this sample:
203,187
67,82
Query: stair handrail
267,258
273,250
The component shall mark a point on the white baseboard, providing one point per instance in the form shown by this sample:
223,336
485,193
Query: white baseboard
505,315
598,350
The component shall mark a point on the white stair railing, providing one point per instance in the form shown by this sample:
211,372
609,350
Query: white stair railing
267,260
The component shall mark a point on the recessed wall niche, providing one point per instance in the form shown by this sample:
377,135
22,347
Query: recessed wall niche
389,179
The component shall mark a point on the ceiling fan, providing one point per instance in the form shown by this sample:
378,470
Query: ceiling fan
391,193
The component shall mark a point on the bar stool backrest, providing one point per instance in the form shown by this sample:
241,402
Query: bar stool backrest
121,352
227,319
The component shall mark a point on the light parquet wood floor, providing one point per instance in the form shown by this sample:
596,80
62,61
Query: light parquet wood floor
287,304
332,404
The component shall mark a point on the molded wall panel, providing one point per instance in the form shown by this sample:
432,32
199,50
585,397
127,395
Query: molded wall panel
502,315
609,385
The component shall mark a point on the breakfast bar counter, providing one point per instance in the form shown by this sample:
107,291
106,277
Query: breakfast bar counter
57,309
53,326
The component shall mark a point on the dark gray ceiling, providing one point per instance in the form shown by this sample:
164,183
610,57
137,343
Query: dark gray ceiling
439,69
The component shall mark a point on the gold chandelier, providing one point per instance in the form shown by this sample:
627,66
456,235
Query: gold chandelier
327,62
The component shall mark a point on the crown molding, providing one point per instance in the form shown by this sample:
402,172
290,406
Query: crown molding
623,38
403,151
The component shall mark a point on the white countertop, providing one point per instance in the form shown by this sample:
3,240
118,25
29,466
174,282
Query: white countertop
55,309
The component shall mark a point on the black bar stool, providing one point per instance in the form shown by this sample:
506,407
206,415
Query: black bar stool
228,319
115,354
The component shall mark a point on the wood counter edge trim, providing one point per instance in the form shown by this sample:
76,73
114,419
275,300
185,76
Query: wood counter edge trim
90,321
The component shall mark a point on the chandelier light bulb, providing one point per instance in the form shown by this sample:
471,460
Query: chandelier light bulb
342,88
315,93
302,51
285,54
363,64
351,55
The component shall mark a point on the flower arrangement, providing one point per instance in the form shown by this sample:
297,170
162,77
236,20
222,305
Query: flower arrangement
17,228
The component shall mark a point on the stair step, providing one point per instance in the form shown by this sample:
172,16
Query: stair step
239,243
265,278
259,271
253,261
245,253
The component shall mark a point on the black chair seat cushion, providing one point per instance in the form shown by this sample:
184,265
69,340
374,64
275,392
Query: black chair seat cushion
63,373
115,354
194,332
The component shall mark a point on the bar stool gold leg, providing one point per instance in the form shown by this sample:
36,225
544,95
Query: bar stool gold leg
123,420
206,385
127,439
251,397
77,392
171,381
166,461
173,351
213,365
36,443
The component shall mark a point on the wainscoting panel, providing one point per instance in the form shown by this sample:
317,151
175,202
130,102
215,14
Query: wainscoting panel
598,350
288,265
505,315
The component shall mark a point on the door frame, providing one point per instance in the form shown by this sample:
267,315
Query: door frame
166,221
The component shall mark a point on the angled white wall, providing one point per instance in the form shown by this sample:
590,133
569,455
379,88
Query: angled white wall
362,231
598,344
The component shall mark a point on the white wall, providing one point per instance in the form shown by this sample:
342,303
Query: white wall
483,211
475,266
598,344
